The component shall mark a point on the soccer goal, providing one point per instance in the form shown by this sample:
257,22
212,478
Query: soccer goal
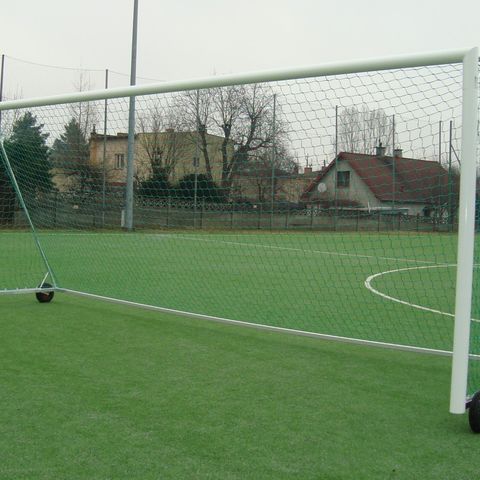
335,201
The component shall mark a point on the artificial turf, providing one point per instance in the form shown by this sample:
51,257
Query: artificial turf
90,390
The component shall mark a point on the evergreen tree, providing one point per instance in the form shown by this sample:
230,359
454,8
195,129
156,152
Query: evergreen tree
28,154
206,189
157,186
70,157
7,196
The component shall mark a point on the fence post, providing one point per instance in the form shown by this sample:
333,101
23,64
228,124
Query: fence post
202,209
169,203
259,216
231,215
311,217
286,219
378,222
417,222
55,210
358,221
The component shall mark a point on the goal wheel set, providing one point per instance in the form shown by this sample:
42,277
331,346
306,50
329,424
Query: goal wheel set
45,297
474,413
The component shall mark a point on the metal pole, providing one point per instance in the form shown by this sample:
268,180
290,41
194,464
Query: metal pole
450,200
1,87
394,173
466,233
196,159
335,179
440,142
439,197
131,127
104,174
274,159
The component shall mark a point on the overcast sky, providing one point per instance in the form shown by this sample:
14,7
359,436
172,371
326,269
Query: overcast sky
195,38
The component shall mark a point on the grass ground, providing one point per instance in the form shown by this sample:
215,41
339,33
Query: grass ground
94,391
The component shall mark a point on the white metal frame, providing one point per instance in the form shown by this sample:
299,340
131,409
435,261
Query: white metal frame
469,58
466,233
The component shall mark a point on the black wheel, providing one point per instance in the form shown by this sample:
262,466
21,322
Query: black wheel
474,413
45,297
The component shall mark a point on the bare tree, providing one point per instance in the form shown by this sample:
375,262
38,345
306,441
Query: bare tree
84,113
160,134
196,110
267,168
360,130
10,117
241,115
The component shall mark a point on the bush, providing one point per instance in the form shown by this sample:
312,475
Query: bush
206,189
156,186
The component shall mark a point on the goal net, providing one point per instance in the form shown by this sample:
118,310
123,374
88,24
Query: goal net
324,201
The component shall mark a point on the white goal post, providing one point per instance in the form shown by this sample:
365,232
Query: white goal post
466,231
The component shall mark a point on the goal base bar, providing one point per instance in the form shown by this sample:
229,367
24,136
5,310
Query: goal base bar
23,291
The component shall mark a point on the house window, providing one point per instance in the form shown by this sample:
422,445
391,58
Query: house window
343,179
119,161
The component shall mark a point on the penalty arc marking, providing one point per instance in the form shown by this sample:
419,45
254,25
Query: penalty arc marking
368,285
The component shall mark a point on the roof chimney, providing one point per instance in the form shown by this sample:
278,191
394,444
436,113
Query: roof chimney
397,153
380,150
307,170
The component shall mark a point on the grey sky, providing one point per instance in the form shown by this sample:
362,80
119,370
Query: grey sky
191,38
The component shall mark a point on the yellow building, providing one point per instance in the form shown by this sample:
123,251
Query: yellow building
171,151
255,185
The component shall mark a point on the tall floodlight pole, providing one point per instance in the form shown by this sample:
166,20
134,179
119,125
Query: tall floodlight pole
1,87
131,127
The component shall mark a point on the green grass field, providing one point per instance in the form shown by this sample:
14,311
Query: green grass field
91,390
95,390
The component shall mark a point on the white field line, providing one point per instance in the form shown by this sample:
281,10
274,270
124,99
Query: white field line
257,245
301,250
368,285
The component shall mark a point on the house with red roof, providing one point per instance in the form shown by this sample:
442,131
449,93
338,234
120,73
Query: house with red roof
382,182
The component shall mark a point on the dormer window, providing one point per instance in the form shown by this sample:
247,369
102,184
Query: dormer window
343,179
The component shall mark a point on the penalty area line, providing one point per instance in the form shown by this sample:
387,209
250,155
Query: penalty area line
368,285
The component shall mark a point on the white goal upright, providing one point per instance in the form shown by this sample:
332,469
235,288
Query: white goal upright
335,201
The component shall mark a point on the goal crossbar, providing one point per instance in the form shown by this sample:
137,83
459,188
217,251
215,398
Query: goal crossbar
333,68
